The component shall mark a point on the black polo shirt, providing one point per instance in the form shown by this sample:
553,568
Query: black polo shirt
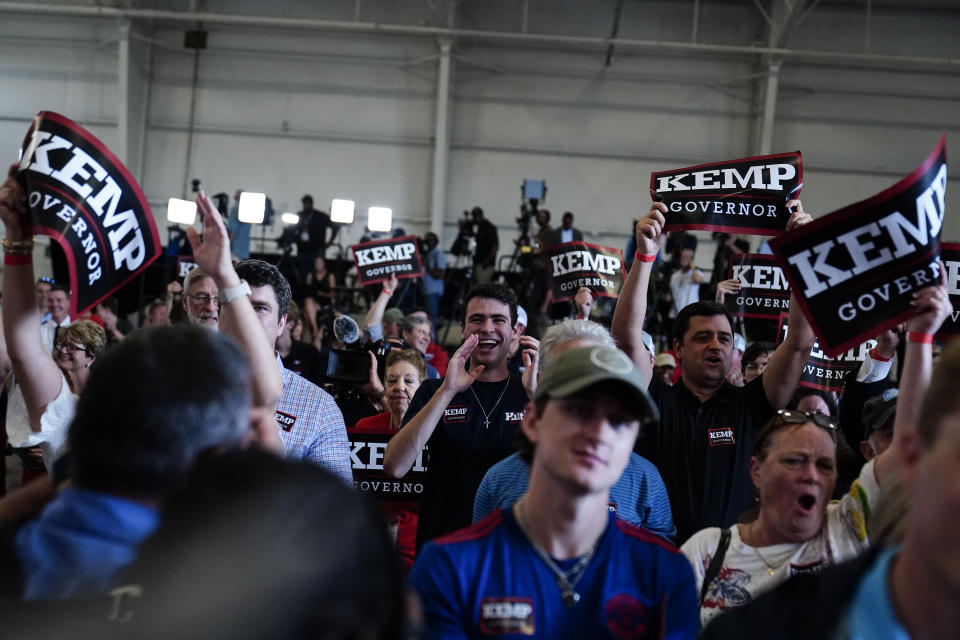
462,448
703,451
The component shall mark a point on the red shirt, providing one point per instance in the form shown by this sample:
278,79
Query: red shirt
404,515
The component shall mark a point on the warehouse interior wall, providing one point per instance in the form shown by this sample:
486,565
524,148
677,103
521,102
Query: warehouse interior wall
340,99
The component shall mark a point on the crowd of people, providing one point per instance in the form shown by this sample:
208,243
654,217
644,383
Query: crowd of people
216,473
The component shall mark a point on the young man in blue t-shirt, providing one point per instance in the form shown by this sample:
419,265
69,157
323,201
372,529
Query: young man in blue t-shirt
559,564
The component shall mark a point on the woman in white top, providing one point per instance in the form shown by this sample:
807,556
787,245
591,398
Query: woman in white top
42,405
797,529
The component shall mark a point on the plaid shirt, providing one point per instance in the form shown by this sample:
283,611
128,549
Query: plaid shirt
311,425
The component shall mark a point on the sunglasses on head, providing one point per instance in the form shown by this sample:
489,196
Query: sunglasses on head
788,416
46,279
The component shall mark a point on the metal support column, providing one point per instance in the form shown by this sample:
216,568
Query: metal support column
122,147
441,142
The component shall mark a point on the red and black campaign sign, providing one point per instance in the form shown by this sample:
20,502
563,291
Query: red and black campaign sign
950,259
854,271
748,195
378,259
366,458
764,290
823,372
83,197
579,264
185,264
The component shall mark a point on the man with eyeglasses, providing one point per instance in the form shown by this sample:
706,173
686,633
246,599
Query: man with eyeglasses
201,299
702,442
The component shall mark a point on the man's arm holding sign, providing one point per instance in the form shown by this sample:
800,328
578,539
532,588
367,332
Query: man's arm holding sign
932,305
782,373
627,326
38,375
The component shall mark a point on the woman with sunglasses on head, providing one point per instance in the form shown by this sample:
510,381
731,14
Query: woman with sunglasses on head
795,528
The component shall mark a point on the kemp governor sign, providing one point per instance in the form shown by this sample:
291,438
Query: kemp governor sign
764,290
737,196
83,197
854,271
950,259
378,259
579,264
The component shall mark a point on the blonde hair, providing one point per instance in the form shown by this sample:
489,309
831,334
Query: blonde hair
89,334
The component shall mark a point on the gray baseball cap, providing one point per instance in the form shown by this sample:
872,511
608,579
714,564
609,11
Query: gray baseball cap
577,369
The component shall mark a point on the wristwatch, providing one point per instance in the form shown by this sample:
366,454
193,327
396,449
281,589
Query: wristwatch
232,293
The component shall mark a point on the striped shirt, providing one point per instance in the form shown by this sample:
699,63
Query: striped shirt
639,496
311,425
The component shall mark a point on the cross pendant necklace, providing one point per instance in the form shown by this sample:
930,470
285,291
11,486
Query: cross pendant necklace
487,414
566,580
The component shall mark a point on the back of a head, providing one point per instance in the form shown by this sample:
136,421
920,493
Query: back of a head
941,399
257,547
154,402
572,331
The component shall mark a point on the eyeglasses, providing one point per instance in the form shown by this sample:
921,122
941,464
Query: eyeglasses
800,417
203,299
69,348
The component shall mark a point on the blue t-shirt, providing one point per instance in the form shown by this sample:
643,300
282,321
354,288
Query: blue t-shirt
871,615
488,579
240,245
80,542
639,496
435,259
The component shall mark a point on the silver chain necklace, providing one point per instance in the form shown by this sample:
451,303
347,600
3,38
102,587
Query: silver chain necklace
566,580
486,415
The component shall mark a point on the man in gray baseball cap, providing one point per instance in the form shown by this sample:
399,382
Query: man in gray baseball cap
878,414
562,564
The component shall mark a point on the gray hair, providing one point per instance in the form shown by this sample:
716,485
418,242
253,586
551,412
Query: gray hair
568,331
195,274
411,321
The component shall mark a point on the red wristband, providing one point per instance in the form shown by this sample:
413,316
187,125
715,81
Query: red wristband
643,257
389,292
15,259
920,338
875,355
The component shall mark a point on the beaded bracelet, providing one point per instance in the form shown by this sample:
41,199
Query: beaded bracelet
18,247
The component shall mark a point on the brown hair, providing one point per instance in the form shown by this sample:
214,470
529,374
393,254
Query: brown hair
941,399
84,332
408,355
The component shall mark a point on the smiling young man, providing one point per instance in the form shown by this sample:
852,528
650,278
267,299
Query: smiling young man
311,424
468,420
703,441
559,563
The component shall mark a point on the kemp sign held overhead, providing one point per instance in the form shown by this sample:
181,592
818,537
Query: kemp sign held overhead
378,259
748,195
83,197
764,290
854,271
579,264
950,259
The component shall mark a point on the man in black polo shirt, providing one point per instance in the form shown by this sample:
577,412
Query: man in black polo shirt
468,420
703,441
